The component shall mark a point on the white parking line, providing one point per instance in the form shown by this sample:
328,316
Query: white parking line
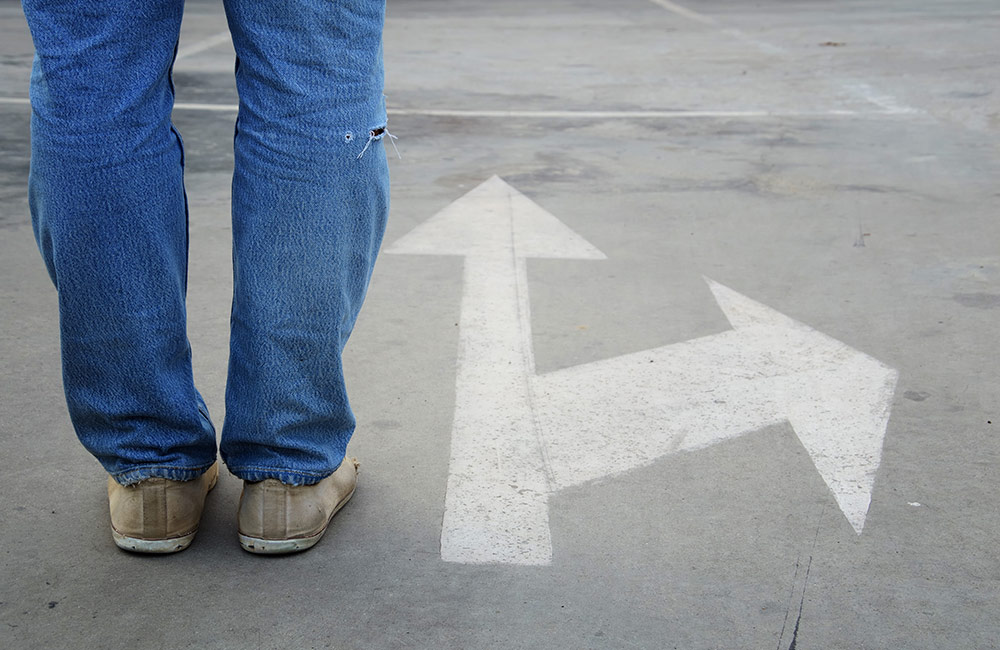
887,109
684,11
766,48
763,46
202,45
631,115
217,108
889,104
882,100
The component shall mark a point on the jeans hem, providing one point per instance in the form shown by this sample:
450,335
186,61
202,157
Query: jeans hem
254,474
174,473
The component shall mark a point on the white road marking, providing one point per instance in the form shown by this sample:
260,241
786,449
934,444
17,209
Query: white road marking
766,48
558,115
517,436
885,101
684,11
881,99
180,106
768,369
625,115
570,115
215,108
205,44
763,46
496,509
889,104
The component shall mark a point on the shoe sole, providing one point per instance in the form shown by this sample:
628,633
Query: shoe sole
158,546
155,546
291,545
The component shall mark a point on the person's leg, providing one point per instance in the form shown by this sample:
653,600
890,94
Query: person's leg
110,216
310,200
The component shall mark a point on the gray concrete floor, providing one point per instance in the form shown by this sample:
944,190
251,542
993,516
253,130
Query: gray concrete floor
874,123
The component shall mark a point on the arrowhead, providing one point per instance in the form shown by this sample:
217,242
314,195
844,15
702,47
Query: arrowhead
837,399
494,218
840,414
742,312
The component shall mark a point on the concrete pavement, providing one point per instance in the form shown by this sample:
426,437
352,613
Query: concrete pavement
836,162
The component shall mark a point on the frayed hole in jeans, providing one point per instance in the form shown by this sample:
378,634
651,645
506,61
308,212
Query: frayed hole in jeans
377,134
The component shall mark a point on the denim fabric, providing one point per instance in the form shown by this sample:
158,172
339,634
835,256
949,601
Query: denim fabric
310,200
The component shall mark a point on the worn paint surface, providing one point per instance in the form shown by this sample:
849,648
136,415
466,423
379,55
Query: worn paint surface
517,436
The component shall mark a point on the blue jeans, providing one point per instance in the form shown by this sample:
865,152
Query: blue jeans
310,197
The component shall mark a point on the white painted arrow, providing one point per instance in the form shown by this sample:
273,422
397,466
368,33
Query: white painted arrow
517,436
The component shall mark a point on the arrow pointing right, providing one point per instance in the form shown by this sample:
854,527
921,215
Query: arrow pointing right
613,415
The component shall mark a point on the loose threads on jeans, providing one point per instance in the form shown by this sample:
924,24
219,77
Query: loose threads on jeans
378,134
391,141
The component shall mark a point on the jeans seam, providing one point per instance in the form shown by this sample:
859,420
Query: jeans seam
137,467
278,470
141,468
174,472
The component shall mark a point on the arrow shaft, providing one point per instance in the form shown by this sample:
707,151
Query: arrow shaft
613,415
496,507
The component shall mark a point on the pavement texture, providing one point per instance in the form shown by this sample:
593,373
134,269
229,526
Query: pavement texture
838,163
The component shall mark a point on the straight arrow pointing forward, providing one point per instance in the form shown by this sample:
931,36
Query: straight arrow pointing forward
518,437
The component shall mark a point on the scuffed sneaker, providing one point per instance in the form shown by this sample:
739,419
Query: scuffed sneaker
158,515
275,518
